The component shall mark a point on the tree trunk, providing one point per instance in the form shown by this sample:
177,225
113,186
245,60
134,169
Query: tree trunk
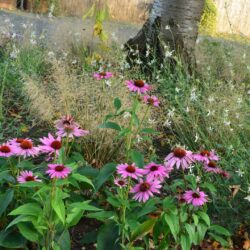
172,22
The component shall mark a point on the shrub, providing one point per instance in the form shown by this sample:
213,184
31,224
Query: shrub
208,21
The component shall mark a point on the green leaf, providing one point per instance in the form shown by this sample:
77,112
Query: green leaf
7,177
26,165
209,186
82,178
196,219
111,125
185,242
149,131
101,216
64,240
137,158
75,211
20,218
104,174
90,12
114,201
173,223
220,230
191,232
204,217
143,229
108,237
5,200
117,103
30,184
11,239
27,209
201,231
58,205
218,238
28,231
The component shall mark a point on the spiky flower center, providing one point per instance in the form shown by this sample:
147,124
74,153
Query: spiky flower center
196,195
19,140
150,101
180,153
5,149
68,129
59,168
66,122
154,168
121,182
56,145
212,164
139,83
205,153
130,169
30,178
145,186
25,144
103,74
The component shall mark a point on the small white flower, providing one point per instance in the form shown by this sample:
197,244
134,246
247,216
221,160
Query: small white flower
247,198
177,90
187,109
126,115
51,54
227,123
196,137
151,121
240,173
198,179
193,96
74,62
168,54
139,138
171,112
108,83
33,41
167,27
210,99
167,123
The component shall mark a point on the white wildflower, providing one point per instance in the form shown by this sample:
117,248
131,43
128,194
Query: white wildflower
247,198
240,173
126,115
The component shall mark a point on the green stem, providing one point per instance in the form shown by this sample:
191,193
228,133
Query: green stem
130,135
2,92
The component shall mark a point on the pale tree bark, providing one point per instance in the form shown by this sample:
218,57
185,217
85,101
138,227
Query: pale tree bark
171,22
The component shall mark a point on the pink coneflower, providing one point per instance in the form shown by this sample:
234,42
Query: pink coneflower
120,182
25,148
196,198
50,145
129,170
138,86
206,156
179,158
58,171
6,150
66,120
151,100
102,75
211,166
26,176
16,141
224,174
155,171
71,131
145,189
